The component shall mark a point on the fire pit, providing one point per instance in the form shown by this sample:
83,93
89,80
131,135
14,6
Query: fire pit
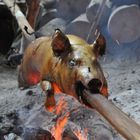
69,120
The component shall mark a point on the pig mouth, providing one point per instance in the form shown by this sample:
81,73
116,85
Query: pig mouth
79,88
93,87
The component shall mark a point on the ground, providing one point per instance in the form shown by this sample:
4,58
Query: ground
123,81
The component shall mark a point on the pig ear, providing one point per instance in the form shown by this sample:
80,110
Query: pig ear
99,45
60,44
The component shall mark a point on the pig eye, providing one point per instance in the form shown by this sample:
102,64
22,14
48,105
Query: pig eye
72,62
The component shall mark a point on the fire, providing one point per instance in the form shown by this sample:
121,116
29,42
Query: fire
60,107
59,127
50,89
46,85
81,135
62,104
62,115
56,88
50,107
61,121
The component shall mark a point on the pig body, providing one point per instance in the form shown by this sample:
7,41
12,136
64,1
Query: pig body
66,60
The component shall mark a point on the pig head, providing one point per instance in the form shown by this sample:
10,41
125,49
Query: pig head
67,60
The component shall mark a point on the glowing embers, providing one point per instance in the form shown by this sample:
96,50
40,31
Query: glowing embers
82,135
61,127
56,88
50,89
58,129
33,77
62,122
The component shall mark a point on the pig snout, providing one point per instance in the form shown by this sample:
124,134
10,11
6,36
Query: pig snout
97,86
94,85
94,81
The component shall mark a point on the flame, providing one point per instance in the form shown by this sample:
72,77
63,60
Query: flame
61,121
34,77
59,127
56,88
81,135
51,88
61,106
50,103
50,109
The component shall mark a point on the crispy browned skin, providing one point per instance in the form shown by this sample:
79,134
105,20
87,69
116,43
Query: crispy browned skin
63,60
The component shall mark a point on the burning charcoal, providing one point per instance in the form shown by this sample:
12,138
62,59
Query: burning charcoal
70,127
